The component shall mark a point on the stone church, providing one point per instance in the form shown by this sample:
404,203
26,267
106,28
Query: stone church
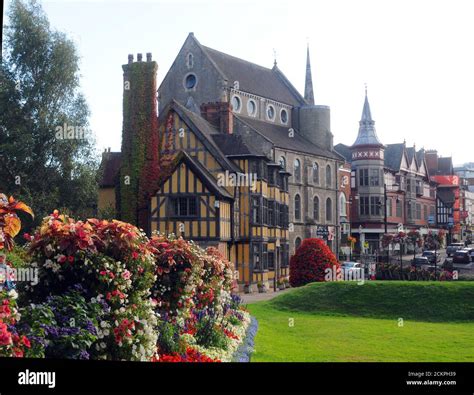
234,120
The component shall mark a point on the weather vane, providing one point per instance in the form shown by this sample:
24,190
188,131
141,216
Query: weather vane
274,56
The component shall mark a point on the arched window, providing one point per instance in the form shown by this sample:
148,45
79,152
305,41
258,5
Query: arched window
328,209
315,173
190,60
316,208
283,162
297,207
342,205
297,243
328,176
297,170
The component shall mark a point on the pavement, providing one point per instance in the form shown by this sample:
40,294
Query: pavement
259,297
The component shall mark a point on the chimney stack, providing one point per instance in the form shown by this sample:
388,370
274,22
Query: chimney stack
219,114
139,57
148,56
130,58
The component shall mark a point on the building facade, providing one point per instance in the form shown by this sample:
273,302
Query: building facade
391,189
253,169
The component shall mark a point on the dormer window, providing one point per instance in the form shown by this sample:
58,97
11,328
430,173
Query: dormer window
270,112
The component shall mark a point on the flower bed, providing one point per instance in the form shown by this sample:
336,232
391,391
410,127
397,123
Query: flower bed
107,291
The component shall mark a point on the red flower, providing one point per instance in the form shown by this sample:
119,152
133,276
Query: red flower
70,259
26,341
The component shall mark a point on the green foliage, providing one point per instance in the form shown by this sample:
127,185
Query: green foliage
18,257
39,91
168,338
139,171
208,334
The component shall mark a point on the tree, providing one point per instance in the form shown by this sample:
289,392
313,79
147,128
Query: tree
47,153
310,262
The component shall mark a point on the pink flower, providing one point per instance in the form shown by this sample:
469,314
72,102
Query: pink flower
126,275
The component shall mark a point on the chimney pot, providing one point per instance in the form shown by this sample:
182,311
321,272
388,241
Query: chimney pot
148,56
139,57
130,58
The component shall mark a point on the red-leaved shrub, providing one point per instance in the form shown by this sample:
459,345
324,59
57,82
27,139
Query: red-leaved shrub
310,261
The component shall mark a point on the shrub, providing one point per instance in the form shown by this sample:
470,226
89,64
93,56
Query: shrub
310,261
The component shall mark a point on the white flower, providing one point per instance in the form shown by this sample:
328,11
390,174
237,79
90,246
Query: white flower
13,294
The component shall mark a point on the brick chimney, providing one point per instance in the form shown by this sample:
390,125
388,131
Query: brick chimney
219,114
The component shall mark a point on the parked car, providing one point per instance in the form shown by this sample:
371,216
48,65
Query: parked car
461,256
420,261
354,269
432,256
470,251
453,247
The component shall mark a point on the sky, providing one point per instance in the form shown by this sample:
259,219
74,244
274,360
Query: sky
416,57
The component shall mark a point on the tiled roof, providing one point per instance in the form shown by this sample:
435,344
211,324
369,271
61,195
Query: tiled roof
255,79
109,168
278,135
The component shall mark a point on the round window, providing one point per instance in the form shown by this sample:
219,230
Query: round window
251,108
284,116
190,81
236,103
271,112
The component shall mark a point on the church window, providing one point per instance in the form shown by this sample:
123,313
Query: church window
252,108
190,81
236,103
270,112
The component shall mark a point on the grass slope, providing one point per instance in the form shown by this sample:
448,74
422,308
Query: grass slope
420,301
346,322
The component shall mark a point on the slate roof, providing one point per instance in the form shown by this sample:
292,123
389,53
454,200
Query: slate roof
255,79
278,135
233,145
109,168
393,155
344,150
367,134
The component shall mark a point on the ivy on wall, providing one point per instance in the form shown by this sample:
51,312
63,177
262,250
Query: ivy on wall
140,142
146,154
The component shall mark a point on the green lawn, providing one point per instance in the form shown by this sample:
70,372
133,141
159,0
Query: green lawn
345,322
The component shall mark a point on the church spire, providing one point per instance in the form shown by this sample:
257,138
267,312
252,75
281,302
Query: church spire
367,134
308,88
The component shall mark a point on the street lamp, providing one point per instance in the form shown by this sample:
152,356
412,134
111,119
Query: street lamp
384,204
